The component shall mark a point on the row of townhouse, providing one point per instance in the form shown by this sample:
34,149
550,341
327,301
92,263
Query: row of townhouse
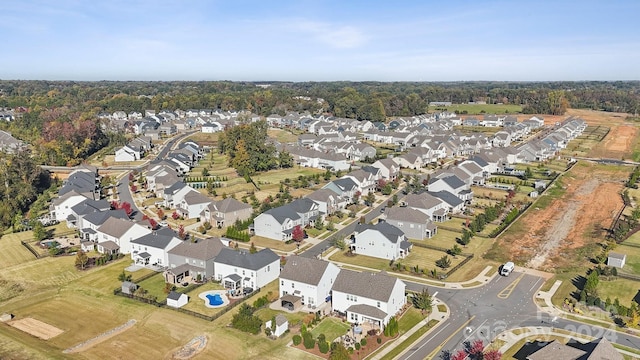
556,140
134,150
361,297
279,223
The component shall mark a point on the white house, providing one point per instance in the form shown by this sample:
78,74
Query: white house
126,153
366,297
120,231
277,223
252,270
176,299
152,249
63,204
280,327
382,240
193,204
306,281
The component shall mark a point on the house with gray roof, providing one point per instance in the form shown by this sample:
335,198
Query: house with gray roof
191,260
242,269
366,297
91,222
574,350
120,231
424,202
389,169
414,223
344,187
454,203
153,248
193,204
306,281
328,201
226,212
278,223
381,240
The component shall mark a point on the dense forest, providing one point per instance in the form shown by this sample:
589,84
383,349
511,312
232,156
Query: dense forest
22,181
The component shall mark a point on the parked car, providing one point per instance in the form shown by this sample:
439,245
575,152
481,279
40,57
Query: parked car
507,268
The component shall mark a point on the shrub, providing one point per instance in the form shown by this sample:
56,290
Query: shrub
357,346
363,342
323,346
296,340
260,302
321,338
308,340
379,340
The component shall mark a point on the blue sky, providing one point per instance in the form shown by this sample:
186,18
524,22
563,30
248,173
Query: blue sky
305,40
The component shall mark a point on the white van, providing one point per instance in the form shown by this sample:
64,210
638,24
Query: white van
507,268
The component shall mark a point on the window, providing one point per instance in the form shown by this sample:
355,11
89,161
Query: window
242,272
378,304
292,286
282,282
268,268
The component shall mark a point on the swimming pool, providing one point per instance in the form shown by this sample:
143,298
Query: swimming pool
214,298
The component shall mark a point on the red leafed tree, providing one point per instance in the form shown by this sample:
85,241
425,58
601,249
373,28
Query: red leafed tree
126,207
492,355
181,233
152,221
382,183
114,205
460,355
175,215
298,233
476,349
131,177
425,182
160,214
134,188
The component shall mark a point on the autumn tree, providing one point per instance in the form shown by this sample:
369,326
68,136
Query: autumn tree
182,234
81,259
297,234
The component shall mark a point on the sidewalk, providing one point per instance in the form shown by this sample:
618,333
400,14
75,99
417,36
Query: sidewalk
435,315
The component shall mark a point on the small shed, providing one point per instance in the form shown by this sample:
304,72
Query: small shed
6,317
533,194
616,259
176,299
128,287
281,325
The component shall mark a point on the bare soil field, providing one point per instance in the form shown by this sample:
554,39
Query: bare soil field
619,142
549,238
36,328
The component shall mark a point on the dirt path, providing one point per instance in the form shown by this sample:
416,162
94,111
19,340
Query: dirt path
100,338
562,226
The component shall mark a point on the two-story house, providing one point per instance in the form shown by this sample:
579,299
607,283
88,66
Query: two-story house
192,259
415,224
381,240
306,281
241,269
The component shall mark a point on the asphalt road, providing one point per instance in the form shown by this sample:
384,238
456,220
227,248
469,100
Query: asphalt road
484,312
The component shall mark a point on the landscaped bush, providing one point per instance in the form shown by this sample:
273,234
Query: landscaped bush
308,340
323,346
245,320
379,340
357,346
363,342
260,302
297,340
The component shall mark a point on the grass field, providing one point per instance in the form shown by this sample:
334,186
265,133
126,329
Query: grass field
478,109
282,136
331,328
12,250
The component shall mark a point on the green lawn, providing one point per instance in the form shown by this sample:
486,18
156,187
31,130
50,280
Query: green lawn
479,108
265,314
632,264
12,250
263,242
409,341
197,304
409,319
275,176
282,136
155,286
422,257
331,328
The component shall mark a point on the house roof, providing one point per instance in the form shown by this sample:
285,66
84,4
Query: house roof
376,286
447,197
174,295
616,255
282,213
202,249
281,320
322,195
407,214
389,231
115,227
453,181
195,197
155,240
230,204
598,349
302,206
367,310
246,260
109,245
304,270
422,201
345,183
556,350
183,268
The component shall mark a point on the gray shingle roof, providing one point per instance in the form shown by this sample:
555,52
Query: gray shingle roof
155,240
203,249
246,260
389,231
115,227
407,214
367,310
304,270
447,197
283,213
230,204
174,295
377,286
556,350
